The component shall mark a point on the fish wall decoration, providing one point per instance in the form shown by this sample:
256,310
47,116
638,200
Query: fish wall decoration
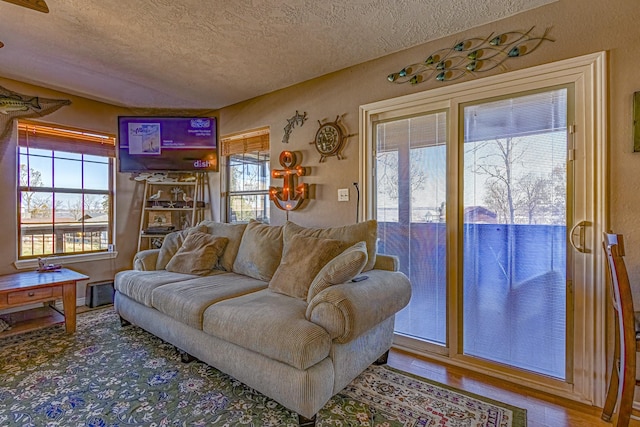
10,103
471,56
14,105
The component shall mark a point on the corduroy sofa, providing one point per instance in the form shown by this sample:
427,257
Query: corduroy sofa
295,313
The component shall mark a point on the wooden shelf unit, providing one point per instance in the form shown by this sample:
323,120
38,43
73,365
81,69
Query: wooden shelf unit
170,209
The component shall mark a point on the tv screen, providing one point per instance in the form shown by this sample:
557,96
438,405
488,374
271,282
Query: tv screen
167,144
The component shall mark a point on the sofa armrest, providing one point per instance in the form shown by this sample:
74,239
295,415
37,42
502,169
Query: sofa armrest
350,309
146,260
387,262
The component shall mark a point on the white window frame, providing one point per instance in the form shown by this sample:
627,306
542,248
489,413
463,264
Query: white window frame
254,142
69,136
262,162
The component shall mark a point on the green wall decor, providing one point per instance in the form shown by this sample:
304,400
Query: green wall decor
470,56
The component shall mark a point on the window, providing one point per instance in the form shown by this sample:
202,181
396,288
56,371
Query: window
65,191
248,175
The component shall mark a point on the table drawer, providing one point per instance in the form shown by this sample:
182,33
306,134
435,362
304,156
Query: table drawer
33,295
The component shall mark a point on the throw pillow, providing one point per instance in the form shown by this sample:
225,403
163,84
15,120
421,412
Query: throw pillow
198,254
339,270
303,257
366,231
171,244
260,251
233,232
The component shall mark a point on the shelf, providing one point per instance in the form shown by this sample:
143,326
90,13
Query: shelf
177,204
173,209
193,184
31,320
170,207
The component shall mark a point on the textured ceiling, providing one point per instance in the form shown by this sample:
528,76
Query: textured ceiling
213,53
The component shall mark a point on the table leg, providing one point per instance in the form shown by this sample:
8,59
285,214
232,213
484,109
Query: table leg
69,306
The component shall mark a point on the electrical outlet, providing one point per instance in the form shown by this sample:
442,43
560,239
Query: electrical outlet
343,194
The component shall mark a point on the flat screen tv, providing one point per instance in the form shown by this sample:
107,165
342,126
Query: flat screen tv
167,144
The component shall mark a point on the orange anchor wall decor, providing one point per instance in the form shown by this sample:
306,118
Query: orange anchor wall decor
291,195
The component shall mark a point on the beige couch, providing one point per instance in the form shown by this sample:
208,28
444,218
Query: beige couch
273,306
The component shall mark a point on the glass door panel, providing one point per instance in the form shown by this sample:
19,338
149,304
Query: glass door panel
411,199
514,232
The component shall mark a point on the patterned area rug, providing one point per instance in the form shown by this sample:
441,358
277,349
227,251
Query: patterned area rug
105,375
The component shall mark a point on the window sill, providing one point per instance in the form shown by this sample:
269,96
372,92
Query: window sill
65,259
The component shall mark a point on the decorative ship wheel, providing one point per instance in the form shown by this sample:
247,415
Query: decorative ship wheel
329,139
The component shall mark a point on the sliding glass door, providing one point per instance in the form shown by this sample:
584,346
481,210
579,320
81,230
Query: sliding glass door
514,212
411,204
515,205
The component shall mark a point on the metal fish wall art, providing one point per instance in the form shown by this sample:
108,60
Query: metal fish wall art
16,103
14,106
470,56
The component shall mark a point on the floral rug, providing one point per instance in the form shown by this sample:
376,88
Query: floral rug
105,375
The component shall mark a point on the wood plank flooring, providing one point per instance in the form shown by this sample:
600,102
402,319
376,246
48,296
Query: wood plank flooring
543,410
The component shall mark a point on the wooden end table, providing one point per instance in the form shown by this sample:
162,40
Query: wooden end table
29,287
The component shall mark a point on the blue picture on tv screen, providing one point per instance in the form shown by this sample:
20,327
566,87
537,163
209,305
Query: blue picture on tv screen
167,144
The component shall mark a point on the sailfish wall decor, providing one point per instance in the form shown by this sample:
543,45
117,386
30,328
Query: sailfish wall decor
14,105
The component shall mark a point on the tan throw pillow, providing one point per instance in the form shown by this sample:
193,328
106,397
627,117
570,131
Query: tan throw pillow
339,270
366,231
198,254
233,232
303,257
260,251
172,243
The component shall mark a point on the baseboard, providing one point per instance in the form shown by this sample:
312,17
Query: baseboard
635,410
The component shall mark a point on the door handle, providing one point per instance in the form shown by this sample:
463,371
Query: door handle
579,230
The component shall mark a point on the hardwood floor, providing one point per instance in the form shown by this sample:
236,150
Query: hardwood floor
543,410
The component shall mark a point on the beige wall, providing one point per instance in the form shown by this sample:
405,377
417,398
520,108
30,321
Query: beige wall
578,27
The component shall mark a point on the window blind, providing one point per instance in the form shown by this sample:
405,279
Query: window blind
51,137
515,117
420,131
246,142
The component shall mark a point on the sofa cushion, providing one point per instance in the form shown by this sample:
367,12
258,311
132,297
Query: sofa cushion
185,301
172,243
233,232
198,254
303,257
271,324
138,285
366,231
260,251
339,270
